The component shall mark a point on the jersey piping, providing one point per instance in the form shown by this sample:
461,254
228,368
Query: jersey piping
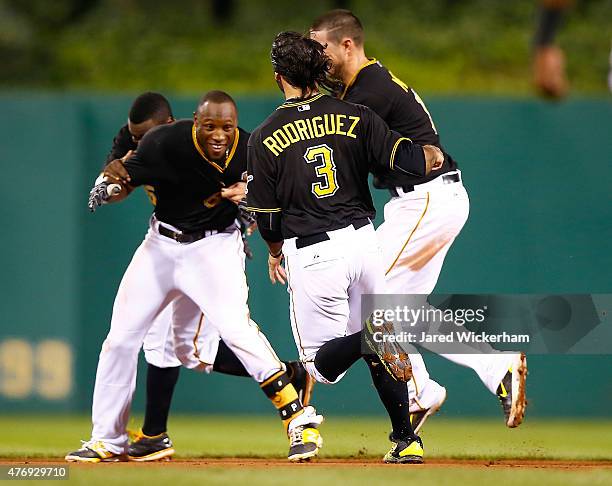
350,83
201,151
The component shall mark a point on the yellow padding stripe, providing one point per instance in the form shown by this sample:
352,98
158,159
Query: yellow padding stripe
261,210
409,236
284,397
298,103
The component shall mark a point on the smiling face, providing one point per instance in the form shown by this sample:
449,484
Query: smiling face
215,125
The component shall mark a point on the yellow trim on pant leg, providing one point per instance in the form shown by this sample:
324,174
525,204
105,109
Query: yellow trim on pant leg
409,236
196,353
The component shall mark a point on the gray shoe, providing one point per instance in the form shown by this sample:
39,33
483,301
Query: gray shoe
145,448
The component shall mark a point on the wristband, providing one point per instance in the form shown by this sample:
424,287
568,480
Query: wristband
280,252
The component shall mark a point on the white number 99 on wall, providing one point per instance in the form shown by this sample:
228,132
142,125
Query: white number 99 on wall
43,369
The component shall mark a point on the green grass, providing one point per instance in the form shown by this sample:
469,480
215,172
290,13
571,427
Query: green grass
345,437
438,46
262,436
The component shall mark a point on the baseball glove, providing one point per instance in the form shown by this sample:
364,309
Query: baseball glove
101,193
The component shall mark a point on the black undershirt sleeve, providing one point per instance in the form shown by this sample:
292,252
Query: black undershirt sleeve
261,191
122,144
269,226
146,166
387,149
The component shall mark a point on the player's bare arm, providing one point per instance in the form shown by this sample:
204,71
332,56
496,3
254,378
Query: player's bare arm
275,259
434,158
116,174
235,192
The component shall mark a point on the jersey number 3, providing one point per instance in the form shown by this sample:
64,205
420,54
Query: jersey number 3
326,169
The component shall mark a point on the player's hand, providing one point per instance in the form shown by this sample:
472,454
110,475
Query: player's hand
235,192
251,229
101,194
116,170
276,270
434,158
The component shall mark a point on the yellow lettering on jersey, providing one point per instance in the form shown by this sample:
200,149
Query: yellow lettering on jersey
339,124
355,120
291,132
212,201
272,145
150,190
281,138
330,124
302,130
309,128
319,130
326,170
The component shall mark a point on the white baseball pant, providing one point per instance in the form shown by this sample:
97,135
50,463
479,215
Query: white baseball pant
418,230
210,272
325,284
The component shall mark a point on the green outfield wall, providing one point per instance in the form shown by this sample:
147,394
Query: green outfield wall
540,183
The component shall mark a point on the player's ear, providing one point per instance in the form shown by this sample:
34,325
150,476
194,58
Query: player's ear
347,43
279,81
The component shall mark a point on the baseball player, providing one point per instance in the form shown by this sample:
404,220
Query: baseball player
193,249
424,215
152,442
308,166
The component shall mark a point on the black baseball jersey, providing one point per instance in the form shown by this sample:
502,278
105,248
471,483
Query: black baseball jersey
310,159
403,110
187,184
122,144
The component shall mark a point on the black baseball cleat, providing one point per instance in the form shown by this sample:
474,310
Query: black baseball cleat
155,448
301,381
94,451
395,360
405,451
511,391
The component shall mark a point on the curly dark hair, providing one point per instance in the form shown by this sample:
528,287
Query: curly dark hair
301,61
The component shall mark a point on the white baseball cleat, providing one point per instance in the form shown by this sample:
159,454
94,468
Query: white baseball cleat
304,437
436,395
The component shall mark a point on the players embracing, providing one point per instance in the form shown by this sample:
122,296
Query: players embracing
193,256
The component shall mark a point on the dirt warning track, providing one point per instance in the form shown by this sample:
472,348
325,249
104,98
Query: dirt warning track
204,463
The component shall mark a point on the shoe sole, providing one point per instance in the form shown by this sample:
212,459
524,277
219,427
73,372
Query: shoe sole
387,357
307,456
519,401
431,411
165,454
405,460
94,460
